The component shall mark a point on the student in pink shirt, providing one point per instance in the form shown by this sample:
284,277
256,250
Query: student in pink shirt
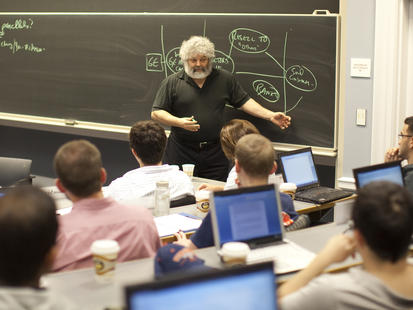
78,166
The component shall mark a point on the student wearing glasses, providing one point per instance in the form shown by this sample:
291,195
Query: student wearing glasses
404,152
192,102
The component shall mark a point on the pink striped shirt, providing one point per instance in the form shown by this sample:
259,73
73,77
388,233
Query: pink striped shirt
92,219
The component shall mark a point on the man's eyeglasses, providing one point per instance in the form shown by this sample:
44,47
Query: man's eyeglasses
202,60
400,135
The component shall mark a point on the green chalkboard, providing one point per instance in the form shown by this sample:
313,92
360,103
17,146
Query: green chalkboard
106,68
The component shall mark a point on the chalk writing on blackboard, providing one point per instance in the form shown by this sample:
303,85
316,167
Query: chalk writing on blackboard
13,44
247,41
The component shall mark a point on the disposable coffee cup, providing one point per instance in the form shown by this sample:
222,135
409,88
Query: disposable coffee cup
288,188
188,169
234,253
202,200
105,253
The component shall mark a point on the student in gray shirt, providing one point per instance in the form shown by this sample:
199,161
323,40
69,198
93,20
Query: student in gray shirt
383,226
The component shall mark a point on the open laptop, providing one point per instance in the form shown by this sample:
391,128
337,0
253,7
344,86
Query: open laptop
390,171
298,167
14,170
253,215
247,287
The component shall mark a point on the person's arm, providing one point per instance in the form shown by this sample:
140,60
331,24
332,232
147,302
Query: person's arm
255,109
210,187
166,118
337,249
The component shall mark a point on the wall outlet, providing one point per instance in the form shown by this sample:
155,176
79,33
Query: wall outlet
361,117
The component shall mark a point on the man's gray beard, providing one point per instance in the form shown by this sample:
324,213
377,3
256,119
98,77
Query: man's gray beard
198,74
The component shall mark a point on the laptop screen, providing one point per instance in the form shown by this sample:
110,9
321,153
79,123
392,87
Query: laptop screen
246,214
298,167
391,172
221,290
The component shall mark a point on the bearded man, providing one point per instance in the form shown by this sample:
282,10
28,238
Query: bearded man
192,102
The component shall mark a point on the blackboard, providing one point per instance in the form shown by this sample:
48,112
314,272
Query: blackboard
106,68
176,6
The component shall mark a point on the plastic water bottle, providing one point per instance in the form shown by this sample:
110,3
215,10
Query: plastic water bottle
162,198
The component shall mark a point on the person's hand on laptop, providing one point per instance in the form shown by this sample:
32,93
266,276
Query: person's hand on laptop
181,239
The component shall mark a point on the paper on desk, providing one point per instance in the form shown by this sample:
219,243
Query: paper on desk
172,223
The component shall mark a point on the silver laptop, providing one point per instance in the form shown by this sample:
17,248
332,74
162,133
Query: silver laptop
390,171
253,215
235,288
14,170
298,167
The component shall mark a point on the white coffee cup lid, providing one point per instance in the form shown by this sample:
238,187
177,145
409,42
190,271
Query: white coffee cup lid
288,187
235,249
188,166
202,194
105,246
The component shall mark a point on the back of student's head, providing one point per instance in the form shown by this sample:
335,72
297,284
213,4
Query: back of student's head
383,213
28,228
231,132
255,155
78,165
148,139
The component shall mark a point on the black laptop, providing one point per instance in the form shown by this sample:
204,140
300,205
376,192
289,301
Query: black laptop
298,167
390,171
249,287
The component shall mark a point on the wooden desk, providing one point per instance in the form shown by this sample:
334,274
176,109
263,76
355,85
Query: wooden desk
306,207
81,287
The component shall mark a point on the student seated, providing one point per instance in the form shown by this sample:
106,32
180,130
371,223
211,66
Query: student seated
78,166
404,152
147,140
254,162
383,227
28,228
231,132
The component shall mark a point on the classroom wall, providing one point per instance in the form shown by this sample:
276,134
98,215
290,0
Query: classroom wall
41,145
358,91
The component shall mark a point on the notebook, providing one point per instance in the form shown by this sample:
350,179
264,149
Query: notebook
298,167
234,288
253,215
391,171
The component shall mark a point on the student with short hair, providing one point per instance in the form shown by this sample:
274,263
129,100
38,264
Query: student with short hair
147,141
80,173
254,161
383,227
28,228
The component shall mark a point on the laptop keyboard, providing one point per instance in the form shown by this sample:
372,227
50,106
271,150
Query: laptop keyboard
322,194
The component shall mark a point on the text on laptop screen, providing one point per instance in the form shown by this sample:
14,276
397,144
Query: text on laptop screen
299,169
246,216
250,291
391,174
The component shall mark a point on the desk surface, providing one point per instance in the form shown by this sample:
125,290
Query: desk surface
81,286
